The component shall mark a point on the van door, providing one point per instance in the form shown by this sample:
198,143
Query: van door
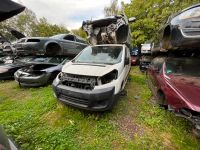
127,67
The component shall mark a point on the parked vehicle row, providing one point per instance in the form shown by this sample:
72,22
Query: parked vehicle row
174,79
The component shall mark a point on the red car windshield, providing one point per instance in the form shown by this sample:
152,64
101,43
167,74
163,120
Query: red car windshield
183,66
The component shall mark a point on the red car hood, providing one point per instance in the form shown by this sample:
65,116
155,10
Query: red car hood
188,88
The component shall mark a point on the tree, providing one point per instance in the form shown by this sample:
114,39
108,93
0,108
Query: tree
23,22
28,24
113,9
80,33
45,29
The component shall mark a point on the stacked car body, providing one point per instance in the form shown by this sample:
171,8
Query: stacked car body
175,78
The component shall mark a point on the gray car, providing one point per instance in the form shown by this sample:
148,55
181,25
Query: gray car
58,45
40,74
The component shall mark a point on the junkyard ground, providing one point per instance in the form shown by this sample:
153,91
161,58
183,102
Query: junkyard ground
36,120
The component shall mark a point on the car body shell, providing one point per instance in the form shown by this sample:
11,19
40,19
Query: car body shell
182,30
60,45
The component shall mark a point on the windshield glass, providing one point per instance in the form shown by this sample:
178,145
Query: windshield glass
100,55
184,66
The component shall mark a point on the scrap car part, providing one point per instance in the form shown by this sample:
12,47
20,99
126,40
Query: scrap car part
111,30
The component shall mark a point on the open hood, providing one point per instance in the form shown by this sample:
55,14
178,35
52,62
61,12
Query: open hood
16,33
111,30
9,9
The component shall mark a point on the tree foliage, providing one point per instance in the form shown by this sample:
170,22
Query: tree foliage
80,33
112,9
151,15
45,29
28,24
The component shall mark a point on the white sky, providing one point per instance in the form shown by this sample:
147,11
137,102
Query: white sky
70,13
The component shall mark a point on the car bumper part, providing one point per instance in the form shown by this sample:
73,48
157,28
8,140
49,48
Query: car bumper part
31,81
94,100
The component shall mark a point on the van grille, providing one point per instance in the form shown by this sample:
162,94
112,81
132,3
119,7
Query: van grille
79,81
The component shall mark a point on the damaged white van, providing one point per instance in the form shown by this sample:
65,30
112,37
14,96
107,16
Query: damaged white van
94,78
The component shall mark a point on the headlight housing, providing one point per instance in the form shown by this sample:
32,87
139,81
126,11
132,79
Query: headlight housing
59,77
109,77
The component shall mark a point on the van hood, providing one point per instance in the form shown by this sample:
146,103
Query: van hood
87,69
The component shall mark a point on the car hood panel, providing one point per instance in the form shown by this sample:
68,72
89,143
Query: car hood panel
189,89
87,69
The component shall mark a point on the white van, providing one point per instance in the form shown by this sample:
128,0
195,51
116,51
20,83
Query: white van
94,78
146,49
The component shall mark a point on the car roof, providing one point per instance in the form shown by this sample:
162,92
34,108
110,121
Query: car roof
176,14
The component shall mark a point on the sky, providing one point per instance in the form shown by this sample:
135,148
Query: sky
69,13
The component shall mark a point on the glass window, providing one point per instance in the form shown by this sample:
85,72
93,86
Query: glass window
187,67
100,55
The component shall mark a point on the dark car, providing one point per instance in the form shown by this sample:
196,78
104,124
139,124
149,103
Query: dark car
134,56
10,66
144,62
40,74
58,45
182,30
175,83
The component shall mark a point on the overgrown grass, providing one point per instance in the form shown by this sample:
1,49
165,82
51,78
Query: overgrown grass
36,120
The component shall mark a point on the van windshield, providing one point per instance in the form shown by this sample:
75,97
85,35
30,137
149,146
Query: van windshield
100,55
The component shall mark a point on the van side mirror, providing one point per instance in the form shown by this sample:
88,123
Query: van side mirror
132,19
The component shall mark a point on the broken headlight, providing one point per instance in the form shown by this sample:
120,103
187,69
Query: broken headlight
59,77
109,77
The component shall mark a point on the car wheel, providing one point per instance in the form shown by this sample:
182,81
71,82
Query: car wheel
53,49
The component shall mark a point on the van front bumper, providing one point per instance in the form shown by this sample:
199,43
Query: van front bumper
94,100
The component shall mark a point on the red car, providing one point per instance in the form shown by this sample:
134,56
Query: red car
175,83
134,60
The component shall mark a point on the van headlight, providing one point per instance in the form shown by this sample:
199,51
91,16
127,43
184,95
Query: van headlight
59,77
109,77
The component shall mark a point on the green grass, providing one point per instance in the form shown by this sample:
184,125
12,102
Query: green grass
34,119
